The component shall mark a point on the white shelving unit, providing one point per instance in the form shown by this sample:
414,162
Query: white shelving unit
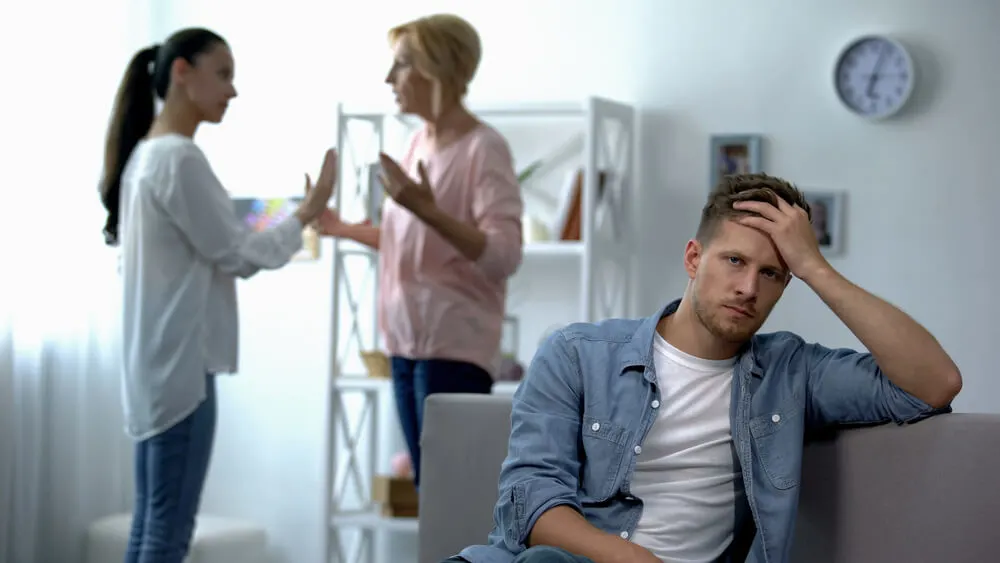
599,265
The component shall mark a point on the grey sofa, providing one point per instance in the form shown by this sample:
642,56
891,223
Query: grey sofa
925,492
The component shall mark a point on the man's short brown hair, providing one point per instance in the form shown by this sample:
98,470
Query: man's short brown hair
744,187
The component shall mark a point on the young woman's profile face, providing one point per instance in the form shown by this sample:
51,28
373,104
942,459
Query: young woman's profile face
208,84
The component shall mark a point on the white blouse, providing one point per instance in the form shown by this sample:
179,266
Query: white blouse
182,247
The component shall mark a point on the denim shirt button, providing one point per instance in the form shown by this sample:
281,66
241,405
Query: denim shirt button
638,450
655,404
595,426
624,534
776,418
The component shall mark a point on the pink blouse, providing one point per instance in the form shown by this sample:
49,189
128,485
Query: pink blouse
433,302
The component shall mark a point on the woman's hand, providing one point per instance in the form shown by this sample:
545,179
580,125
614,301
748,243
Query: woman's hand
418,197
330,224
318,195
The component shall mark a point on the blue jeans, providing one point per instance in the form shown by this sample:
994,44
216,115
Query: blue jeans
414,380
170,471
538,554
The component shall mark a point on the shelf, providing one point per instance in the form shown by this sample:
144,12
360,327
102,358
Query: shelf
553,249
484,110
505,387
547,249
610,143
375,520
360,383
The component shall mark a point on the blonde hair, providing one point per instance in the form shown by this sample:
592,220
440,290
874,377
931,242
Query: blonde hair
446,50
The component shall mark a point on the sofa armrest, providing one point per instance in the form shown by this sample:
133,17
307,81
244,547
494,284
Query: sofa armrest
917,492
463,444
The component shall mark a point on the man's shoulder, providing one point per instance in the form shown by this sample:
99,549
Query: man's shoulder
614,330
785,345
777,342
779,350
601,347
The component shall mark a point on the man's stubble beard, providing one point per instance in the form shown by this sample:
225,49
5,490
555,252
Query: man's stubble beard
713,326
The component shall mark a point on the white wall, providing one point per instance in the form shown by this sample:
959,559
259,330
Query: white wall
920,192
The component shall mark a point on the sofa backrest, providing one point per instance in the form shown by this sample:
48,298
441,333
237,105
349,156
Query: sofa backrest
463,444
920,492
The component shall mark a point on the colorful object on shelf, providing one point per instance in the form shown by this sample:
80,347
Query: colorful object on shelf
401,465
260,214
264,213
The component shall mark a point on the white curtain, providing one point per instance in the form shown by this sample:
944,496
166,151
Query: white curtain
64,459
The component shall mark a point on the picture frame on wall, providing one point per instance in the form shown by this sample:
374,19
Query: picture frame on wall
733,154
827,214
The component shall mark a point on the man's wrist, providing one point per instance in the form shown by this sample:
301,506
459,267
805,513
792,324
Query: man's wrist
816,270
823,279
632,553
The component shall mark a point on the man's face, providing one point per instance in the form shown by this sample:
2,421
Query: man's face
737,277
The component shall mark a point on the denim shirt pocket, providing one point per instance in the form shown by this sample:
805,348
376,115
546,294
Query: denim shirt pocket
603,450
778,435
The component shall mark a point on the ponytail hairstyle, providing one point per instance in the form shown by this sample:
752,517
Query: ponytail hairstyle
147,75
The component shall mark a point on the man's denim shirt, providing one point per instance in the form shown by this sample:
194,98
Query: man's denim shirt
590,397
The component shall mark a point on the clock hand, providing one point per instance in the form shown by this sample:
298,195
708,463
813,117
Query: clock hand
875,72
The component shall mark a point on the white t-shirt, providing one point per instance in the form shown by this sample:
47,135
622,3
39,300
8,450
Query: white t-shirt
686,475
181,248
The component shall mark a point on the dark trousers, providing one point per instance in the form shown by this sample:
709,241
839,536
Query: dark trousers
170,471
415,380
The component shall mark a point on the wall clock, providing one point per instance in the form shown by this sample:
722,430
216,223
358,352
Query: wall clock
874,76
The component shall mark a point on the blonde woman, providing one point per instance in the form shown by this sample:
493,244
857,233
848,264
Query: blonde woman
450,232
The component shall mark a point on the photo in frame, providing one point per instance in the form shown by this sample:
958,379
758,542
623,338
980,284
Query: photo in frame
733,154
259,214
827,211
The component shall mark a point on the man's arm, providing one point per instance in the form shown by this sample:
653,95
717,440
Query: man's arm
566,528
539,481
908,355
904,351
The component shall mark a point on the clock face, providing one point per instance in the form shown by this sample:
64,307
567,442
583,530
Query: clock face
874,77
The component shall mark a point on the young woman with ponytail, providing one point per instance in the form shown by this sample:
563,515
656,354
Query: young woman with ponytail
182,248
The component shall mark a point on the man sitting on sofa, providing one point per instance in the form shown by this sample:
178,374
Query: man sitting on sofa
679,437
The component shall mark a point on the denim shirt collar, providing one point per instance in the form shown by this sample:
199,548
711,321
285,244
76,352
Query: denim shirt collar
640,353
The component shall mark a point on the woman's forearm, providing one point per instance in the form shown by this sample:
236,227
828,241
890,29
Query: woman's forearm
467,239
362,233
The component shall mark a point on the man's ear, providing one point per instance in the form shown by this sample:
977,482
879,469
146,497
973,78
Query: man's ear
693,253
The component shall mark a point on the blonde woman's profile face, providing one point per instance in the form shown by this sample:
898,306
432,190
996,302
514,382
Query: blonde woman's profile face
412,90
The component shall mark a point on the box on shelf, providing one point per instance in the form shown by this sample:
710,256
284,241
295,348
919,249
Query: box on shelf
397,495
376,364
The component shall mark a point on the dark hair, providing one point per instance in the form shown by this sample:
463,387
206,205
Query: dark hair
148,73
745,187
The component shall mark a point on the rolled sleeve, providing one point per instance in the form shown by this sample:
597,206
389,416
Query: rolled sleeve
542,466
847,387
497,208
